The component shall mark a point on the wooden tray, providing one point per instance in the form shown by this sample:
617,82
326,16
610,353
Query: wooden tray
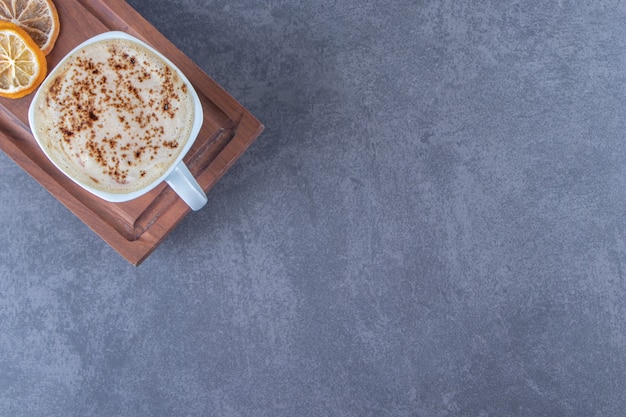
134,229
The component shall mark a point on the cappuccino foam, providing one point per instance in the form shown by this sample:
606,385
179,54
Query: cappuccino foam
114,116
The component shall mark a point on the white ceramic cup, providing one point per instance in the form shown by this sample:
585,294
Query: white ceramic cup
177,176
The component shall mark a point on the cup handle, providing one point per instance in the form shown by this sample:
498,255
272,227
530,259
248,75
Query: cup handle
187,187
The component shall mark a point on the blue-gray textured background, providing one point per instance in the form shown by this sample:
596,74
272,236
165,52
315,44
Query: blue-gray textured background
433,224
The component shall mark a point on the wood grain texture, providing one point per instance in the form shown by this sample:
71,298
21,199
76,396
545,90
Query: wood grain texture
135,228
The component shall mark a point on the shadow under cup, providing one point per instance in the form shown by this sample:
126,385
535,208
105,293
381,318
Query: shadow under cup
173,171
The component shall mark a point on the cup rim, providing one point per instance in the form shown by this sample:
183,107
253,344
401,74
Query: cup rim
198,119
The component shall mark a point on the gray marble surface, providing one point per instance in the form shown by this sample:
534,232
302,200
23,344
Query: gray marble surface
432,224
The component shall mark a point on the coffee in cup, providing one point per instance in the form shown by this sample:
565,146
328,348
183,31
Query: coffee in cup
117,118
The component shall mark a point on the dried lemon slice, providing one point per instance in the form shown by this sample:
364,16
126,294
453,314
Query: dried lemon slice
22,64
39,18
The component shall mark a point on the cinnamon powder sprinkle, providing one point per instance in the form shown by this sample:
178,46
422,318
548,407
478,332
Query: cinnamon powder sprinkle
118,108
